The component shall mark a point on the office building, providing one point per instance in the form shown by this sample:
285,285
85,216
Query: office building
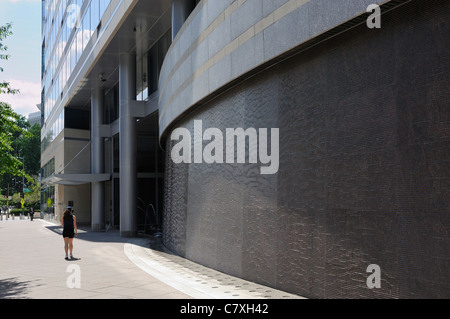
34,118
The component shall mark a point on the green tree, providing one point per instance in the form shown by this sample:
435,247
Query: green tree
16,200
8,118
33,198
29,146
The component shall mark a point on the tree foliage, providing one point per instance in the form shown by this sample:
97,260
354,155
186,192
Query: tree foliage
9,128
29,146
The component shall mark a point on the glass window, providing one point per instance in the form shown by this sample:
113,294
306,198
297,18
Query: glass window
77,119
163,46
111,107
142,78
63,74
60,122
79,41
103,5
57,126
95,13
146,154
152,77
139,80
57,88
49,168
67,66
116,145
87,32
62,119
73,56
155,59
64,34
145,77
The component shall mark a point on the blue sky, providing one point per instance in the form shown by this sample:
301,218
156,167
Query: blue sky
23,69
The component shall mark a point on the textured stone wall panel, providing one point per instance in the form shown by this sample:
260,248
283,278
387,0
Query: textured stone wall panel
364,168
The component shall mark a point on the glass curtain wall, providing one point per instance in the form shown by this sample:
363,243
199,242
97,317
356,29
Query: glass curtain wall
68,26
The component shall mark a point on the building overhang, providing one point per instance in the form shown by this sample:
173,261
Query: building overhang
75,179
132,27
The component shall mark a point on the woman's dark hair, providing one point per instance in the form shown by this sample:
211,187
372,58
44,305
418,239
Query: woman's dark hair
66,214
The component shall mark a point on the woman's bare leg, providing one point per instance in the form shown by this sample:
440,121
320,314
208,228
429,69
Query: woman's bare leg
70,245
66,245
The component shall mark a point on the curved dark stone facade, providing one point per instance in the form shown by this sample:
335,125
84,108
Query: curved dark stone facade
363,175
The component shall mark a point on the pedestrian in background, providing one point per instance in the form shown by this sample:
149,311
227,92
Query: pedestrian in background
69,224
31,213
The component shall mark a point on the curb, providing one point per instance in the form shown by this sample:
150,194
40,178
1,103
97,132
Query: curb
193,279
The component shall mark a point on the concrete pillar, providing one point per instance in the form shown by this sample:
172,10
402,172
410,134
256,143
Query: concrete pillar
181,9
97,161
127,145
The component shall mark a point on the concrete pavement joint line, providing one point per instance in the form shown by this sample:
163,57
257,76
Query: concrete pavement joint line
193,279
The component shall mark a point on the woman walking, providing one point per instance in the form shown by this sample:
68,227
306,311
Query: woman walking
69,224
31,213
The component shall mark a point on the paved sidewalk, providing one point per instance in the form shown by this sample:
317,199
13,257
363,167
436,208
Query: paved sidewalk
32,265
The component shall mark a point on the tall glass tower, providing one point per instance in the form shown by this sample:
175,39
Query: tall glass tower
100,151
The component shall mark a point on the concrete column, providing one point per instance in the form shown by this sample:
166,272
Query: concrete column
127,145
181,9
97,161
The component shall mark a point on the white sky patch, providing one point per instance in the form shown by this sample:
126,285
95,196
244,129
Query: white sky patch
24,102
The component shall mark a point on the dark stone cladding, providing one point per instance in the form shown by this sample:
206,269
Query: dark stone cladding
364,168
